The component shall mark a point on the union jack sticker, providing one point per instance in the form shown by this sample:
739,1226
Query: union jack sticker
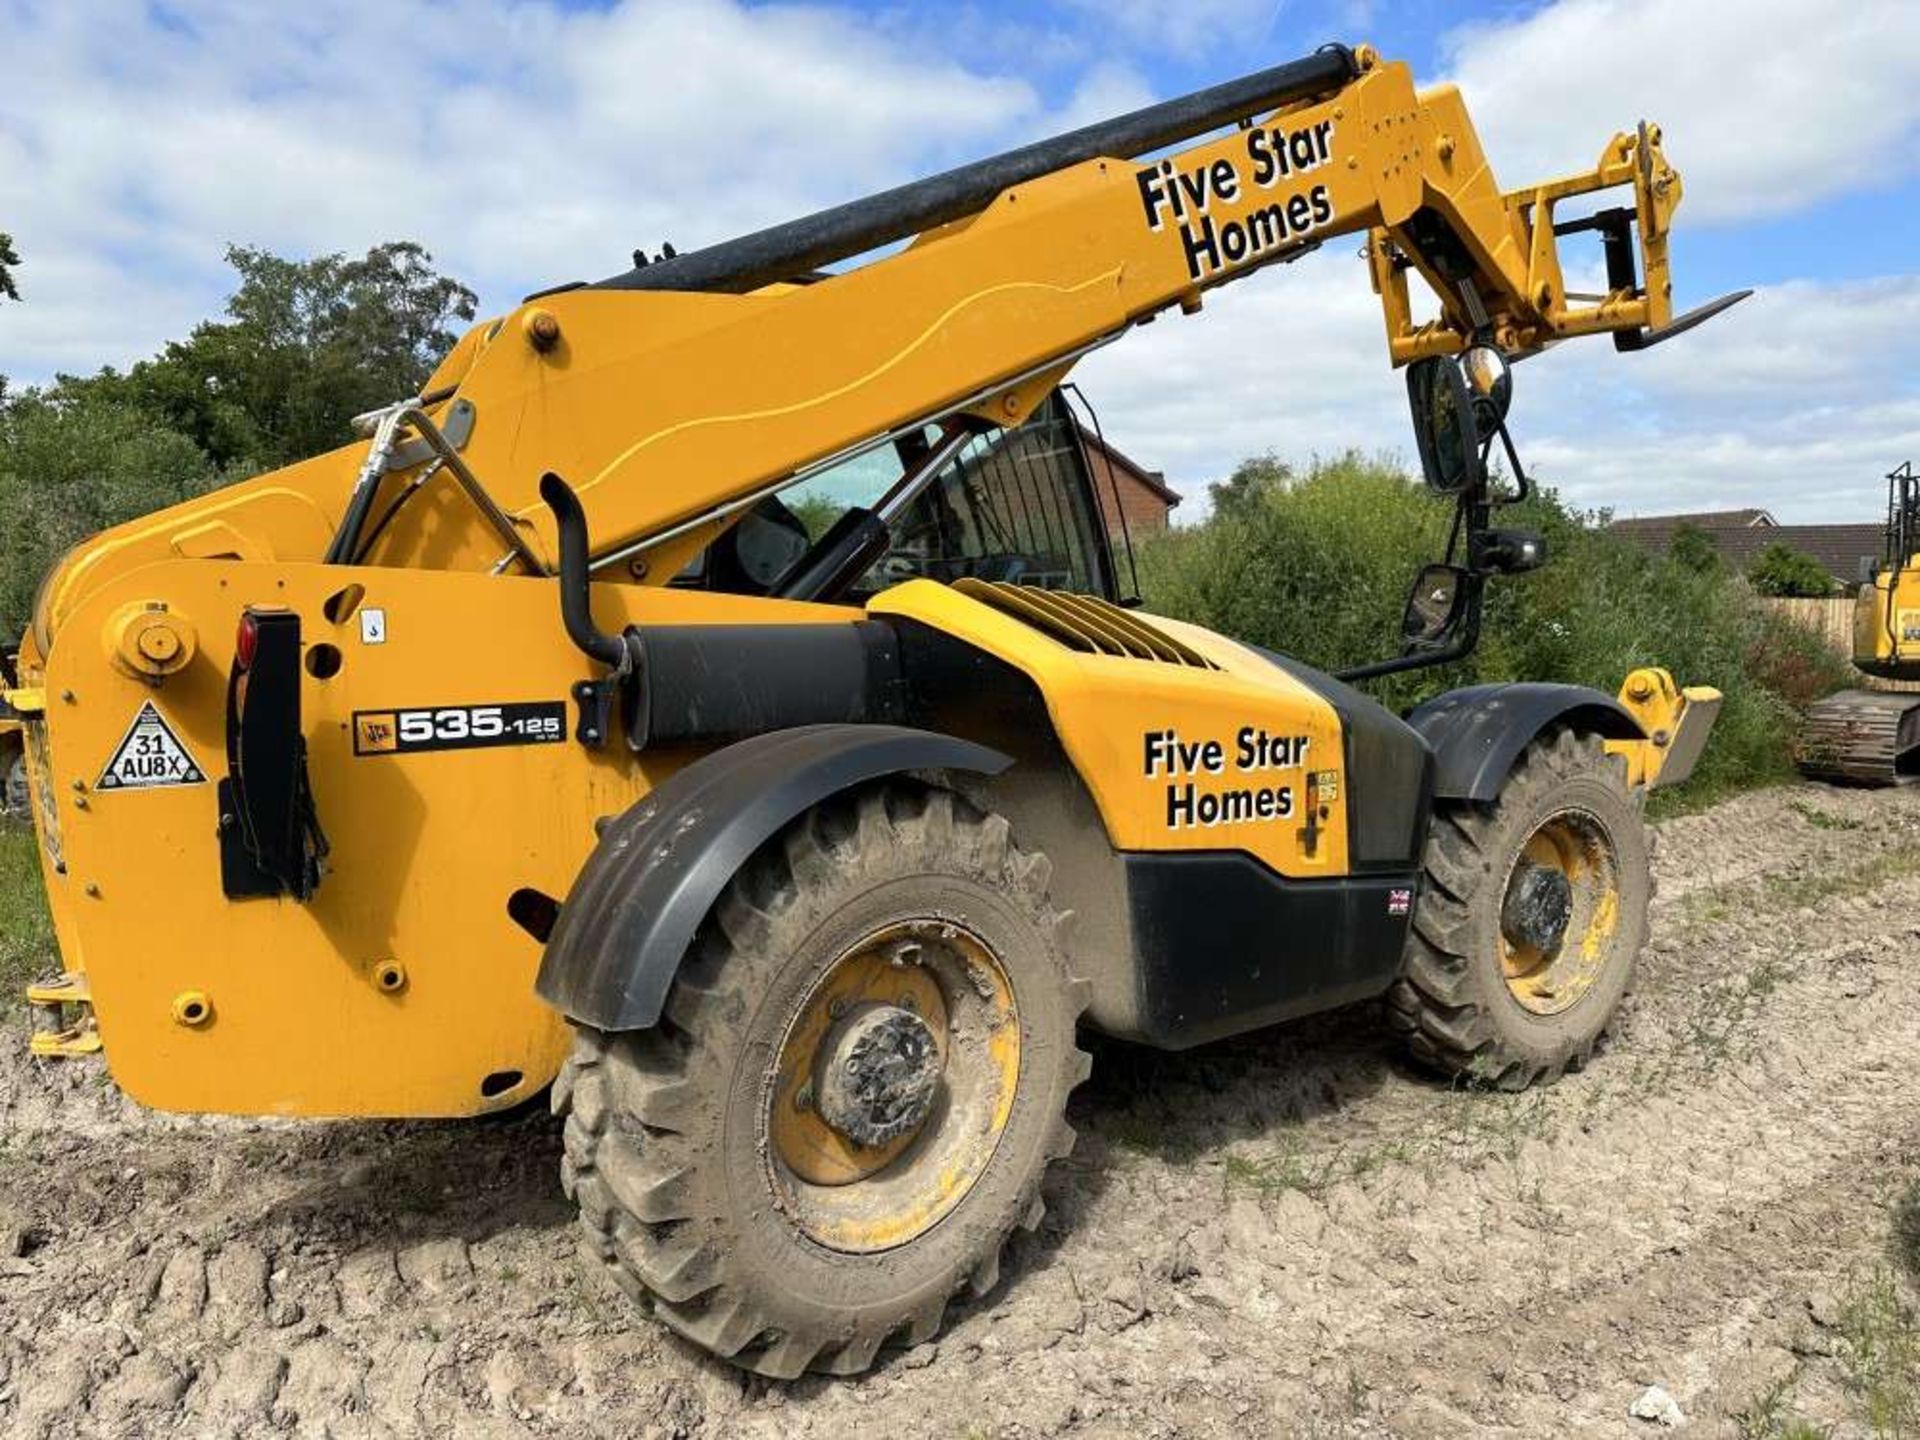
1399,902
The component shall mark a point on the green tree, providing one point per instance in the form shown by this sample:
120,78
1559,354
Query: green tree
1251,478
1693,547
72,465
1781,570
9,262
306,346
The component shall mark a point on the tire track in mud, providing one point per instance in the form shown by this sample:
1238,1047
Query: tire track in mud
1286,1234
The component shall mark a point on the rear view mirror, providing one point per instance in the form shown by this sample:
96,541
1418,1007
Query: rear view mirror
1444,426
1434,607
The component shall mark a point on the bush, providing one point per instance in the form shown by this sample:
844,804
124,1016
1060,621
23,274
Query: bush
1781,570
1319,568
70,466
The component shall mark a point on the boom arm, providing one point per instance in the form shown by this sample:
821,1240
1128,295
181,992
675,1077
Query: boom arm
674,395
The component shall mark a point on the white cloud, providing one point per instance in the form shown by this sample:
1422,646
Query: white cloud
1769,106
1291,359
1798,400
1188,28
1107,89
524,146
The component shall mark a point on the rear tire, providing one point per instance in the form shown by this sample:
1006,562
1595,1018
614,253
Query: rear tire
1477,1003
677,1138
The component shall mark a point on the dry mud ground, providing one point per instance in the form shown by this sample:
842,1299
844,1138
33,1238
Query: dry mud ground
1287,1235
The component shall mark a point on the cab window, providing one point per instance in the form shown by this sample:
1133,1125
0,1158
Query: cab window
1013,505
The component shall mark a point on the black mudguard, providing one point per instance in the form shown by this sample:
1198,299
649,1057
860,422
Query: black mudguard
659,868
1477,733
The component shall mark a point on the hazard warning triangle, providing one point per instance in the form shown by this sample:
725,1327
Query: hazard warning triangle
150,756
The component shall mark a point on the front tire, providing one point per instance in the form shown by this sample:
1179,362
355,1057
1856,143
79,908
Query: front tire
855,1090
1530,921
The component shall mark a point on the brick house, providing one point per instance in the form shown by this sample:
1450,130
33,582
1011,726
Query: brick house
1124,488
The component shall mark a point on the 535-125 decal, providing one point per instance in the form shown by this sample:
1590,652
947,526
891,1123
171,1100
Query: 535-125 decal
459,727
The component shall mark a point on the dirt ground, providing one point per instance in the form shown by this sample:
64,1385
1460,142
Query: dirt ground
1289,1234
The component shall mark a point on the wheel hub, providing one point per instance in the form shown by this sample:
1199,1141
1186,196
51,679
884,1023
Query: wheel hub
889,1094
1559,912
1538,906
878,1073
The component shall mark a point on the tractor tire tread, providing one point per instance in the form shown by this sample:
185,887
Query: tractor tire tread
1435,1008
638,1110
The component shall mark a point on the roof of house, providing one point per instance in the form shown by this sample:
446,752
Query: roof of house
1740,535
1656,531
1838,548
1154,480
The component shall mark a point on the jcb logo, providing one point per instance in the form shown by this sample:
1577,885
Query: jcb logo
375,735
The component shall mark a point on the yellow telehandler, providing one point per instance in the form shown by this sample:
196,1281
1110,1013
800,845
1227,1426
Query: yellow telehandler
535,740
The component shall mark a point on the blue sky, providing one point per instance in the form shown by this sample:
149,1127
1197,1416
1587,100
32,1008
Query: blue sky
527,142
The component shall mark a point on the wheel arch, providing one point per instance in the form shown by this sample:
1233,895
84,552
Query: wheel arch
637,903
1477,733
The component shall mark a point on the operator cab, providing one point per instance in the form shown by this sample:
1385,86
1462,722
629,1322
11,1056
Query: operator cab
1017,506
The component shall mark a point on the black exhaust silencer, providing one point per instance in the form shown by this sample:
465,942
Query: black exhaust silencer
725,682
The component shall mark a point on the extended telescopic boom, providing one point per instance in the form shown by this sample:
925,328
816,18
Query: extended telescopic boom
674,395
828,236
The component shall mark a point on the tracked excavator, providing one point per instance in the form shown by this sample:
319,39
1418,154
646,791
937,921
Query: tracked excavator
1872,737
538,738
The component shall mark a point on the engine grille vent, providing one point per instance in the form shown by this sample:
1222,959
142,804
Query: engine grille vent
1084,623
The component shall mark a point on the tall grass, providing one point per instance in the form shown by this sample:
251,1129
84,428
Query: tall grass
1318,567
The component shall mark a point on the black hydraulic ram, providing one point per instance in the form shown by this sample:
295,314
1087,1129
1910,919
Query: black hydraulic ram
803,245
684,683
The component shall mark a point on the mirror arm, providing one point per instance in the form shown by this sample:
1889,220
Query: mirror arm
1460,649
1520,476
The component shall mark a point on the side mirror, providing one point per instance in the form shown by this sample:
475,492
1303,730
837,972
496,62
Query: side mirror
1434,607
1444,426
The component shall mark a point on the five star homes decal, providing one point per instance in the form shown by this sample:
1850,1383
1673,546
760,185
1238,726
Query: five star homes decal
151,756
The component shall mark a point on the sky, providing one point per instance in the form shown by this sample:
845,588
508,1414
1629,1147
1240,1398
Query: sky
529,142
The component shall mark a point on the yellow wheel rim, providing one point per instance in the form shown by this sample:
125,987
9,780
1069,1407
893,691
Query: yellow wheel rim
1553,950
924,983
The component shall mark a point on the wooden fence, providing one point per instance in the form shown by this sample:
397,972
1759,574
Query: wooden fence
1832,621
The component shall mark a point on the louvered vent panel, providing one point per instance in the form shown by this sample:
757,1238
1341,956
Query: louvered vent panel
1082,622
